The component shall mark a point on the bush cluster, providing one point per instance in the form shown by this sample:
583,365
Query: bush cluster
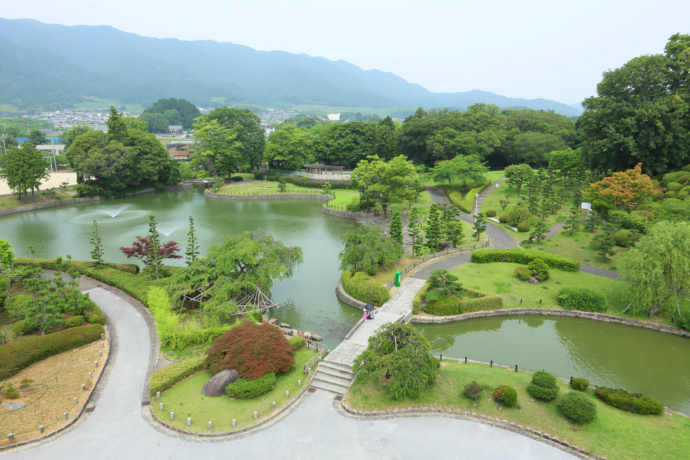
166,378
523,273
582,299
503,218
297,342
506,395
19,354
237,178
49,264
251,388
364,289
252,350
74,321
491,213
518,215
476,301
539,269
543,386
629,402
524,227
473,390
577,407
579,384
524,257
465,202
623,238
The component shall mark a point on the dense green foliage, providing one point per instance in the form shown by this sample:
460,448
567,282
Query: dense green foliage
506,395
579,384
74,321
577,407
251,388
629,402
252,350
19,354
383,182
582,299
543,386
523,273
367,247
401,354
297,342
362,288
165,112
539,269
166,378
473,301
524,256
473,390
24,169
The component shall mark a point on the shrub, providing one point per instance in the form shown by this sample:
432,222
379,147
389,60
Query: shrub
539,269
73,321
363,289
683,180
670,194
582,299
11,392
475,301
23,327
518,215
503,218
577,407
524,257
168,377
258,175
237,178
579,384
506,395
491,213
94,315
682,195
523,273
297,342
686,189
251,388
252,350
674,187
623,238
543,386
672,176
19,354
629,402
524,227
473,390
658,196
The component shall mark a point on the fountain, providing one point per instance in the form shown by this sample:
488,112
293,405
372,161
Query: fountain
113,214
168,233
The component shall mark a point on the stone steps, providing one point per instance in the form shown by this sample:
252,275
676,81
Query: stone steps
333,377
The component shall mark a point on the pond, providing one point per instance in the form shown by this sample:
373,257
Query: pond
636,359
308,297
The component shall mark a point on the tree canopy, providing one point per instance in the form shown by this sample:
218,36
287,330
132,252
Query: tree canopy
289,147
165,112
383,182
620,190
461,170
366,248
25,169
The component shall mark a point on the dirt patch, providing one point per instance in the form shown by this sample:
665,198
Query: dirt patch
56,381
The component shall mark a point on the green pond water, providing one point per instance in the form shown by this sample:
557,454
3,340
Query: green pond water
308,298
639,360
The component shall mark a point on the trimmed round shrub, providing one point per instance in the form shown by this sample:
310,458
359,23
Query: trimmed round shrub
73,321
519,214
523,273
543,386
672,176
686,168
503,218
673,187
491,213
252,350
658,196
629,402
258,175
685,189
237,178
579,384
524,227
577,407
623,238
539,269
683,180
251,388
23,327
670,194
581,299
473,390
506,395
682,195
297,342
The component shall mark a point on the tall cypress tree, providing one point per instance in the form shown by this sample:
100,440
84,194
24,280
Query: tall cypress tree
414,232
97,252
433,229
192,245
395,229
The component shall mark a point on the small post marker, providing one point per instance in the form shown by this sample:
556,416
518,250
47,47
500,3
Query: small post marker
256,415
102,336
465,359
516,368
90,375
299,383
83,387
75,401
210,425
274,404
161,406
41,428
102,344
10,437
287,394
172,415
189,421
234,423
158,394
100,354
64,415
491,364
95,364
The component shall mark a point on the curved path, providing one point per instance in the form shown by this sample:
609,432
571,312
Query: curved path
120,427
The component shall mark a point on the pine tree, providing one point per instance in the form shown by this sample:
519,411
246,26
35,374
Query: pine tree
414,232
97,253
604,241
192,245
395,230
479,225
573,220
433,229
592,221
538,232
154,258
452,227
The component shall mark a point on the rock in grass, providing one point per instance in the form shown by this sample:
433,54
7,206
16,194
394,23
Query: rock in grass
216,386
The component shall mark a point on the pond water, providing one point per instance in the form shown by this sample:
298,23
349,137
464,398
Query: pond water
308,298
636,359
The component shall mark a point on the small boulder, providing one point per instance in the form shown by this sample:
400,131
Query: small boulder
295,332
316,337
533,280
287,331
284,325
273,320
216,386
307,335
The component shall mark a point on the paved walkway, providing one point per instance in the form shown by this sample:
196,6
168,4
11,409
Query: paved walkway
120,428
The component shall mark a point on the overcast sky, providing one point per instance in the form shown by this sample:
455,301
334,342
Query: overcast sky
525,48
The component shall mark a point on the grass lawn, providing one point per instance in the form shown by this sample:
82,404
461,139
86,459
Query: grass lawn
183,354
577,247
186,400
614,434
264,187
11,201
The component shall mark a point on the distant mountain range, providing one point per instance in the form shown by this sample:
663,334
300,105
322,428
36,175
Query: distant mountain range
47,65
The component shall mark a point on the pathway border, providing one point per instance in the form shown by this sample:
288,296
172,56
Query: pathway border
83,406
274,196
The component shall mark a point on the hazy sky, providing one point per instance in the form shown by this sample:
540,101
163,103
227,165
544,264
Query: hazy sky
530,48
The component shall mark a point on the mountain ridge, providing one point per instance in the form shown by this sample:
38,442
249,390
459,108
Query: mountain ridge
68,63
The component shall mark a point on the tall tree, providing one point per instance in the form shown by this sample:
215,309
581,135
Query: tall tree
366,248
479,225
246,126
25,169
151,251
383,182
395,229
97,243
414,232
620,190
518,175
216,146
433,229
289,148
192,251
461,170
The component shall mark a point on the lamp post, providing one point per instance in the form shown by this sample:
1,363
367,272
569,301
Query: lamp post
476,204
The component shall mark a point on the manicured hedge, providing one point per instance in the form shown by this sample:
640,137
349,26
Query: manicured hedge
523,273
49,264
543,386
251,388
577,407
74,321
297,342
581,299
479,301
629,402
166,378
465,202
473,390
524,257
19,354
506,394
364,289
126,281
579,384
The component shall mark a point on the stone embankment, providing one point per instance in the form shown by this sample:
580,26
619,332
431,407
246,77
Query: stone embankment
272,196
287,330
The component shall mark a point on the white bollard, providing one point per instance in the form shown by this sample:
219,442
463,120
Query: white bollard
172,415
41,428
75,401
83,387
274,404
161,406
299,383
90,375
210,425
95,364
189,422
234,423
64,415
287,394
158,394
